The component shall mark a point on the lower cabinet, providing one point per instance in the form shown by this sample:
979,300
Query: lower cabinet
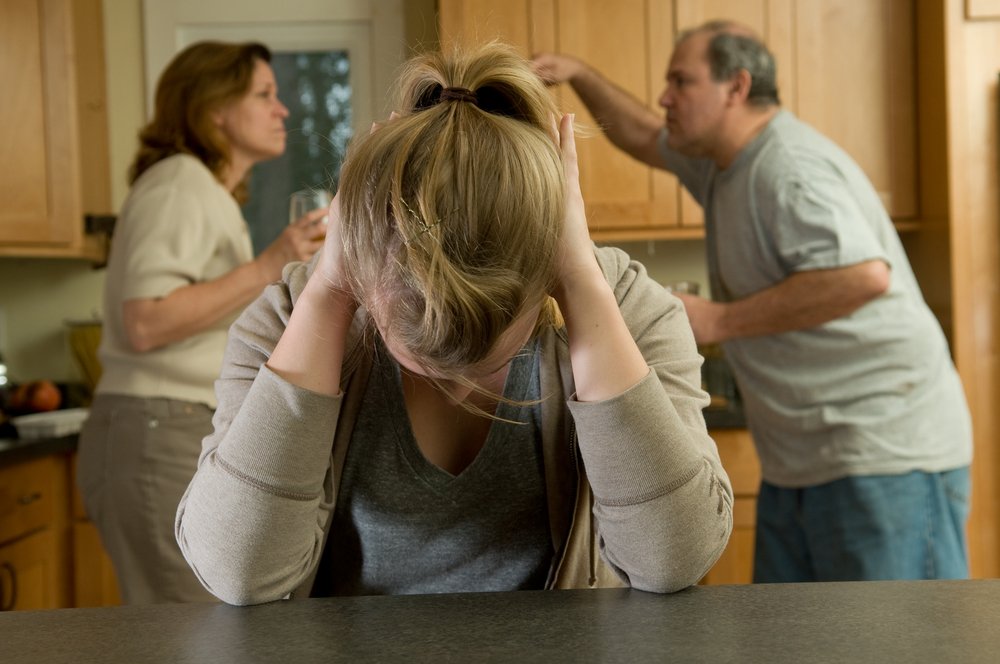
34,537
740,461
33,572
50,554
94,581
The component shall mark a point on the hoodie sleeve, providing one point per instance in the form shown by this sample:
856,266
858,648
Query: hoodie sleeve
663,502
252,519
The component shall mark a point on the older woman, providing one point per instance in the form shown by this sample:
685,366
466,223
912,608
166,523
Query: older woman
181,268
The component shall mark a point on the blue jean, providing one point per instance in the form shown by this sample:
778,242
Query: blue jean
909,526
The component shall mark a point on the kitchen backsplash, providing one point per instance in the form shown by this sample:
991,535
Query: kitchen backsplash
38,296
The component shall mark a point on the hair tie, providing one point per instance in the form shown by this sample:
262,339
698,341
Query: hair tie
458,94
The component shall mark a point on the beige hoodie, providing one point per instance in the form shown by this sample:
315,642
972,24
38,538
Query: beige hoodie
636,492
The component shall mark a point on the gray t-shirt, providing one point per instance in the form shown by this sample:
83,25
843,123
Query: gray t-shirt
403,525
874,392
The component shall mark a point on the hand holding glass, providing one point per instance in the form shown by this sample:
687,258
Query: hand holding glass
307,200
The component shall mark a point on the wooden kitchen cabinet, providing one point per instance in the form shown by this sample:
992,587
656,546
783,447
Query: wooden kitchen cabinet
34,536
625,199
740,461
53,128
845,67
94,580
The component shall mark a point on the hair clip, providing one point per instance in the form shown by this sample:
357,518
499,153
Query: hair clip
424,226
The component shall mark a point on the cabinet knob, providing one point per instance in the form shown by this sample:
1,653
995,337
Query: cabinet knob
29,498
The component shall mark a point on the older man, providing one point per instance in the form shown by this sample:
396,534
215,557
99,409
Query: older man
853,401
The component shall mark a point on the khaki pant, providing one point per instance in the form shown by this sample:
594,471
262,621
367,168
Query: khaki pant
136,458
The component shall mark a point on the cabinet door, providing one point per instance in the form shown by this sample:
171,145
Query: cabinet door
35,184
34,572
32,496
855,71
739,458
528,25
94,580
53,127
736,563
848,69
625,199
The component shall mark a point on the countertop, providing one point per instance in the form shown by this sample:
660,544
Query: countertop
14,450
880,621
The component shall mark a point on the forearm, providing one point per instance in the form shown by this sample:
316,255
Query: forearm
152,323
604,357
626,121
802,301
311,349
251,521
662,500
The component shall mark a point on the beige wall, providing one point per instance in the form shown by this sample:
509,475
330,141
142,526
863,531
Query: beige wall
37,296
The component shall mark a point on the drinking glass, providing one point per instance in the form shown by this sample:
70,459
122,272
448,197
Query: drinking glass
307,200
690,287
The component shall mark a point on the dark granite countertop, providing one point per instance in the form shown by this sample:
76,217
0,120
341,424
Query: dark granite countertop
14,450
873,621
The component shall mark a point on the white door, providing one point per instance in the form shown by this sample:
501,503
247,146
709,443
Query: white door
334,61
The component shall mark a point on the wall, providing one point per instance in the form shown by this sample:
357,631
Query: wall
972,61
36,295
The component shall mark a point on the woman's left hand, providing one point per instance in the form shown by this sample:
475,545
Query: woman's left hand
577,249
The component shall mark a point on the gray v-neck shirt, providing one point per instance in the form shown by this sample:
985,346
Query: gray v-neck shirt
403,525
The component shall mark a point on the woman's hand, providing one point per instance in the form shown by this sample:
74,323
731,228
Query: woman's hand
297,242
576,253
311,349
605,358
330,265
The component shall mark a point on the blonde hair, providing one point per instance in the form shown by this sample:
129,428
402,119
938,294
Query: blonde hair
452,213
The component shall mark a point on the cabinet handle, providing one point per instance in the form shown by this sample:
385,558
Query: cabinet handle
12,573
29,498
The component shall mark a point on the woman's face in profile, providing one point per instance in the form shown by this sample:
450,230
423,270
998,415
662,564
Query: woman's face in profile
254,124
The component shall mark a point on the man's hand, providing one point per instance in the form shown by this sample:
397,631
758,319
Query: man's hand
555,68
704,316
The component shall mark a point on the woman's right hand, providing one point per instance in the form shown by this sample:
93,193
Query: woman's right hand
329,266
297,242
324,310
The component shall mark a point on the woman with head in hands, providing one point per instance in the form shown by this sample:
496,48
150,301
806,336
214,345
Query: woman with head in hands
461,393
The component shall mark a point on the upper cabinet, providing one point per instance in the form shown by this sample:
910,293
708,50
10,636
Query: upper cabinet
53,128
854,80
845,67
